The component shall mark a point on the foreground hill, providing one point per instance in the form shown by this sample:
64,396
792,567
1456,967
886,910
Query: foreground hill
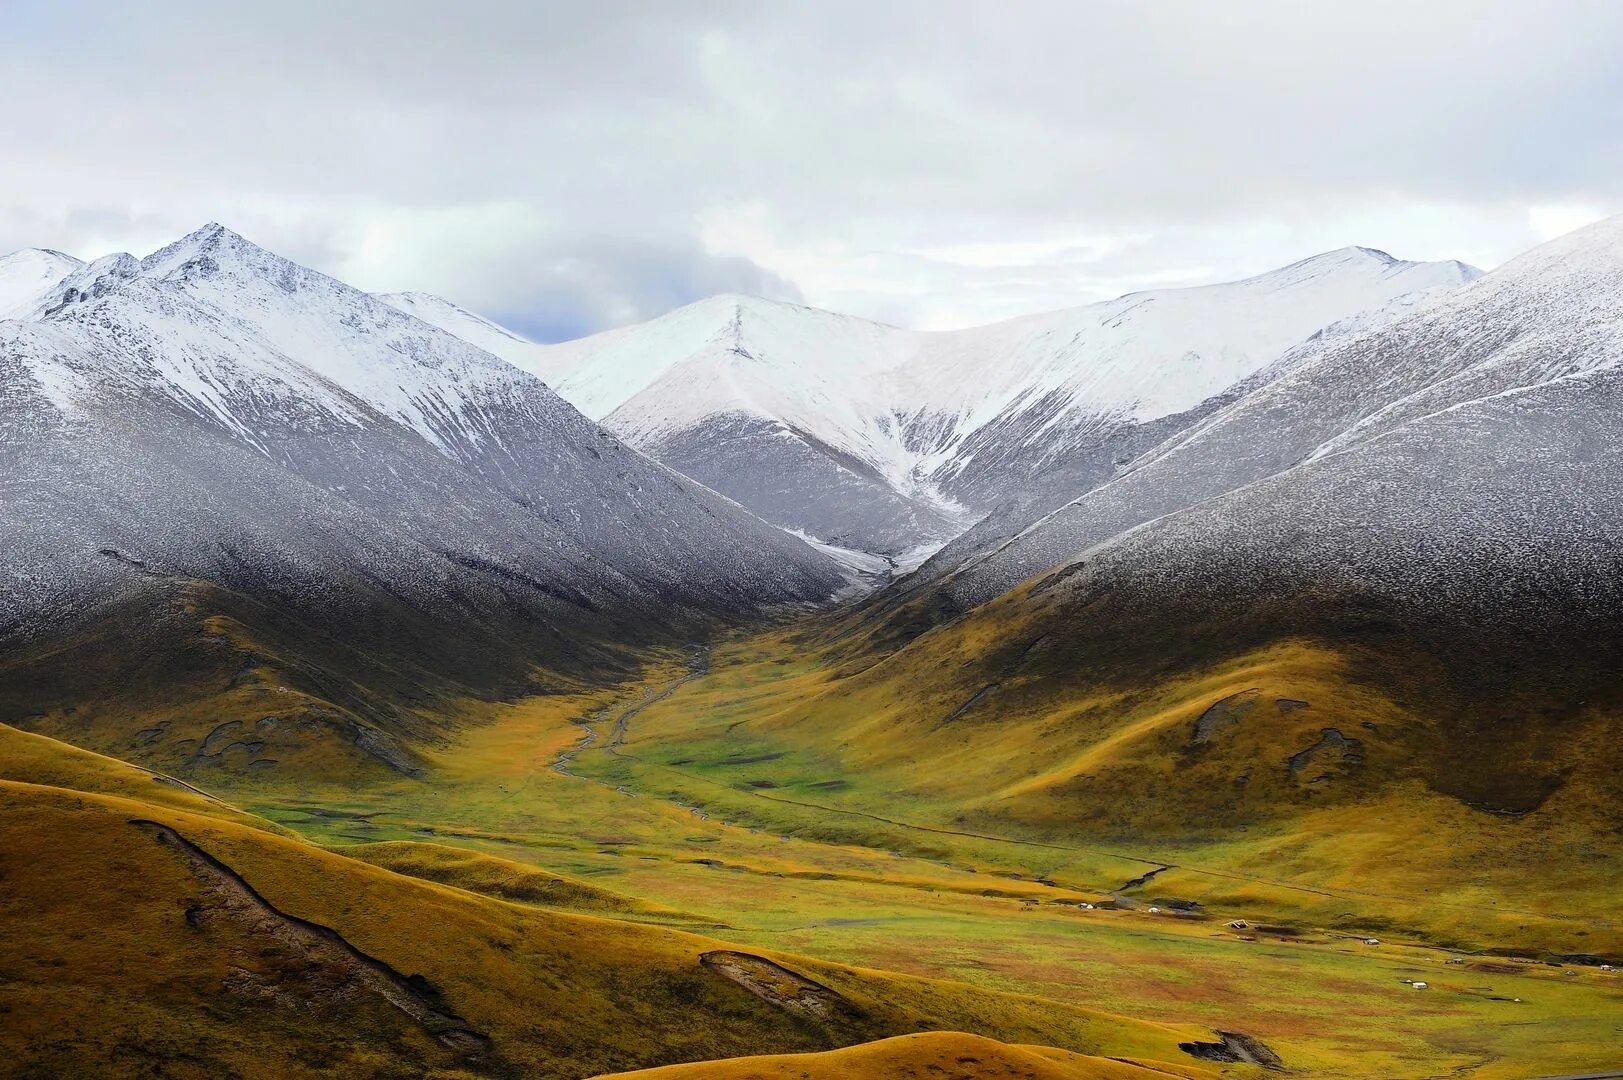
871,437
242,488
937,1056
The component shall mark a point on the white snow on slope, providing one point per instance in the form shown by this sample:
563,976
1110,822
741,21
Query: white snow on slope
904,403
301,337
1532,330
1151,354
396,430
27,276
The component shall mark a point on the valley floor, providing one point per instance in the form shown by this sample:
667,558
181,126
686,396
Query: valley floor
657,805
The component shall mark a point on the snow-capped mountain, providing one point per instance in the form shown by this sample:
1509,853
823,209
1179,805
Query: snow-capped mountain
216,415
871,437
1461,464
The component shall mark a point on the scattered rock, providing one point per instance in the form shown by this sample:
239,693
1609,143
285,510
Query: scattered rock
774,983
1332,748
1224,714
1236,1048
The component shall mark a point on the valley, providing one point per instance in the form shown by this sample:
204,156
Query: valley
776,846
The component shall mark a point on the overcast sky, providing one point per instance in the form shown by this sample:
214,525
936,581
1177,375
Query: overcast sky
569,167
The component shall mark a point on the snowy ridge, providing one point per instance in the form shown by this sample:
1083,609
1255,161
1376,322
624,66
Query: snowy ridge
918,434
1537,345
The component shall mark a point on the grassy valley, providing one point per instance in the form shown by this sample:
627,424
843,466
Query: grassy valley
690,799
185,938
952,836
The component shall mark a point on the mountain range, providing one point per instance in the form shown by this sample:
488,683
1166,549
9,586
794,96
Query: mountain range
234,457
1428,511
890,442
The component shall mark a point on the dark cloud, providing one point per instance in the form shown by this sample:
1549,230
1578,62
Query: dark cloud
850,148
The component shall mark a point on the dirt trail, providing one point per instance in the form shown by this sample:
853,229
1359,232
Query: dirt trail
320,947
698,666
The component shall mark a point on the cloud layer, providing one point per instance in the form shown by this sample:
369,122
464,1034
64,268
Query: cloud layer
935,164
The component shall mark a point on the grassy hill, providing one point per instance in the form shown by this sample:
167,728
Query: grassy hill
938,1056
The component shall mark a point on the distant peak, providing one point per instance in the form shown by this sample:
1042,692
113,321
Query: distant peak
212,241
1350,254
1465,270
215,233
731,302
121,261
41,255
207,237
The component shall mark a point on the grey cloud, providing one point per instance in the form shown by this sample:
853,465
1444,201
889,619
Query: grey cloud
1233,137
584,285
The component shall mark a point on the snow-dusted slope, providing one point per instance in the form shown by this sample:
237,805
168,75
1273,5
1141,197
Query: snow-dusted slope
1066,396
27,276
876,438
474,329
1472,440
215,413
786,409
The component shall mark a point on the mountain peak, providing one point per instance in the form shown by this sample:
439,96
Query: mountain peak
210,242
1351,255
39,255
